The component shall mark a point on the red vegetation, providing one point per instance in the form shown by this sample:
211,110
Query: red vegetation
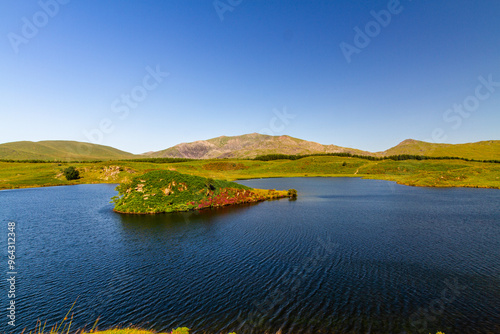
231,196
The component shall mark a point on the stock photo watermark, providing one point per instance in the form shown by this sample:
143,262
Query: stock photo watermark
373,28
126,102
31,25
278,123
470,104
223,6
293,280
425,315
11,273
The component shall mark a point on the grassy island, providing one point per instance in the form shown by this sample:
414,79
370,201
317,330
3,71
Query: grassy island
163,191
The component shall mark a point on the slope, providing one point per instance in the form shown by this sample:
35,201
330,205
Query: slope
60,150
249,146
483,150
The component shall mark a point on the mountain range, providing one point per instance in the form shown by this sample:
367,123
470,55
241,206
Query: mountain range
244,146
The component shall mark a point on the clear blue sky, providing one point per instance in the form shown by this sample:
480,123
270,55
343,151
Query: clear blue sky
67,68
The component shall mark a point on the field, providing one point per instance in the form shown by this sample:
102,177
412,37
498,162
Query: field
431,173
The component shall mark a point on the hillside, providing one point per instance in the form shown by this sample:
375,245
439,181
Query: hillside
238,147
60,150
248,146
169,191
483,150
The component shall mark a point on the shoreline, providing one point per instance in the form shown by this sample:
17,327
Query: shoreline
364,177
427,173
203,208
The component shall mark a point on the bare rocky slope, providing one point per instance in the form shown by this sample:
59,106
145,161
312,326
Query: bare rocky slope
249,146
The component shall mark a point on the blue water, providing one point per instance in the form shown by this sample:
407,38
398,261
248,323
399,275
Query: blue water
348,256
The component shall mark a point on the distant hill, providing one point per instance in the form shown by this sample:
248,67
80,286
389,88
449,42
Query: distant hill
483,150
60,150
248,146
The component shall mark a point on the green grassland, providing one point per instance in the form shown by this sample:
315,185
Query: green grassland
431,173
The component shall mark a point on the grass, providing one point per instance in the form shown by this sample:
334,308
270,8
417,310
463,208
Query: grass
56,329
64,327
138,331
180,330
430,173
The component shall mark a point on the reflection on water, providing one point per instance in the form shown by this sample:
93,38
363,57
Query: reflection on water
348,256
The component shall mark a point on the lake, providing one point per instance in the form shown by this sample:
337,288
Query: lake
348,256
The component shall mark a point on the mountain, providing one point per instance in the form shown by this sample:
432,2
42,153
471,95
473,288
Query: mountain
248,146
244,146
60,150
483,150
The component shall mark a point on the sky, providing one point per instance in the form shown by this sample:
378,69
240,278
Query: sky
147,75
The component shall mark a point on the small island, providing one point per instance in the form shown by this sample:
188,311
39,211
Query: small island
163,191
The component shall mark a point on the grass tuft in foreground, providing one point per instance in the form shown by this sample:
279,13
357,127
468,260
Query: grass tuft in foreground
64,328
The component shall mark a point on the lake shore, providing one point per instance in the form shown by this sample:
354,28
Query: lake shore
429,173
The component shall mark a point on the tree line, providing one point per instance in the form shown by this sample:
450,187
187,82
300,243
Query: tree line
153,160
399,157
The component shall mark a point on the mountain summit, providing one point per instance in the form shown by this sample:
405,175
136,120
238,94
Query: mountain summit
248,146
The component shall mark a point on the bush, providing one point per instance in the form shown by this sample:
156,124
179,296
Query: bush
71,173
210,184
292,193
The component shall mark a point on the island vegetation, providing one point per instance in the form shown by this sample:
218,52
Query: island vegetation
164,191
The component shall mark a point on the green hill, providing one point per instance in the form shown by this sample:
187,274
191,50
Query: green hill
60,150
483,150
168,191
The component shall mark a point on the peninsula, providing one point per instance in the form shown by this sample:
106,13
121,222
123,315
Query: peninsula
164,191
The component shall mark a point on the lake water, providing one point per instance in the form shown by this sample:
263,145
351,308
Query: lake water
348,256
